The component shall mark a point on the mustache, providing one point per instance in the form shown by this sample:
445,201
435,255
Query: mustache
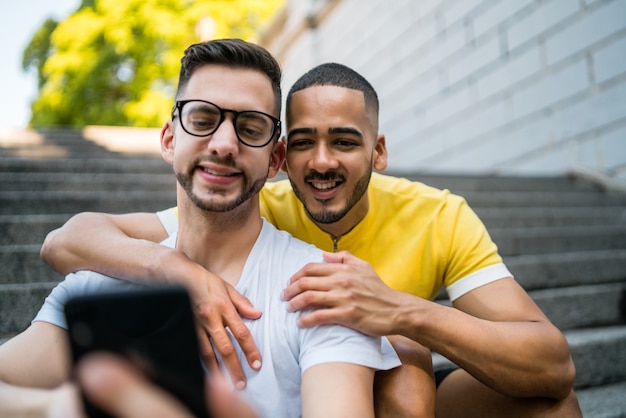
328,176
225,161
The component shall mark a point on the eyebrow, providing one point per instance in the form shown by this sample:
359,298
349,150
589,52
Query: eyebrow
338,130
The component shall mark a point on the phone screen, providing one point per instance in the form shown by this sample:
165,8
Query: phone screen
152,328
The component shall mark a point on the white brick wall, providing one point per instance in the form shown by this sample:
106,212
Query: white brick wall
489,86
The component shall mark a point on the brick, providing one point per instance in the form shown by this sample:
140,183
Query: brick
551,89
594,112
542,18
514,70
614,148
498,13
457,11
589,29
475,59
610,61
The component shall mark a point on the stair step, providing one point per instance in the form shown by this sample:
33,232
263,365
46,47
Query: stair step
19,303
106,164
80,201
464,183
539,240
583,306
540,271
599,355
551,216
481,199
60,182
28,229
21,264
607,401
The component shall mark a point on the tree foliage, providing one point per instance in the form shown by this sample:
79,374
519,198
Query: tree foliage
116,62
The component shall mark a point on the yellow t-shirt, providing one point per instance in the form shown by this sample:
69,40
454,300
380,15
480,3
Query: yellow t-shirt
416,237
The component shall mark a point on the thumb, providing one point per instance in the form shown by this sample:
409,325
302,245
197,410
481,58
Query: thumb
343,257
242,304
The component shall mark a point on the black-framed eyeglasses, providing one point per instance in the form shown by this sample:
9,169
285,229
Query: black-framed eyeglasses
202,118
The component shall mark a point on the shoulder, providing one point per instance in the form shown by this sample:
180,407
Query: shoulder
288,245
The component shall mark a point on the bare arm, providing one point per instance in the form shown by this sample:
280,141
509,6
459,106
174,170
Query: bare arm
337,390
100,242
496,332
125,246
33,368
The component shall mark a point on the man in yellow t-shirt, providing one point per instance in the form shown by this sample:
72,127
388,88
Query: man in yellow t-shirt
403,240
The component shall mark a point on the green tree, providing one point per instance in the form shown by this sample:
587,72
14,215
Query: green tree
116,63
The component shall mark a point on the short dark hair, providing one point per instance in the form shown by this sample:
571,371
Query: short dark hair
339,75
234,53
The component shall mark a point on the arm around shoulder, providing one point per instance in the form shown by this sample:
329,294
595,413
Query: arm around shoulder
108,244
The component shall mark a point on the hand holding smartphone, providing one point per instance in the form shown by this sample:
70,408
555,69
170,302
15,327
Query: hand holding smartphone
153,328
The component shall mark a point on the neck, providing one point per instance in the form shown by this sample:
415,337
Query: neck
219,241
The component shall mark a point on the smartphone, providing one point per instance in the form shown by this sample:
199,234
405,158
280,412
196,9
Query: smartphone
153,328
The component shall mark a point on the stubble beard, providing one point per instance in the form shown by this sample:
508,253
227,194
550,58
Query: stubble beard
249,189
327,216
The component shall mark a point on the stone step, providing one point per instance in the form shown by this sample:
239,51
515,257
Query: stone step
484,199
25,202
583,306
28,229
606,401
496,217
599,355
21,264
18,305
539,240
57,182
540,271
463,183
106,164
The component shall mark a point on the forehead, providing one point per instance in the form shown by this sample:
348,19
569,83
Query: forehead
326,107
232,88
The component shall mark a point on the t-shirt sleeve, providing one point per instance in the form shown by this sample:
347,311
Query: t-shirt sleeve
472,256
169,219
77,284
335,343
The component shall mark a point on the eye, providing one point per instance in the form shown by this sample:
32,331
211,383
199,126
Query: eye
299,144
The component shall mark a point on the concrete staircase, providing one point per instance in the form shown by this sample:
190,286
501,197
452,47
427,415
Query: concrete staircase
564,239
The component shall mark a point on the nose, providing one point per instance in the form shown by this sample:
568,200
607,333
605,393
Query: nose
224,140
323,159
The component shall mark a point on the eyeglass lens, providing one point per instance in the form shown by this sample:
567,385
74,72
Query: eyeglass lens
202,118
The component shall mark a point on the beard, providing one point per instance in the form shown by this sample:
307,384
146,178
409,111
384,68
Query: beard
208,204
326,215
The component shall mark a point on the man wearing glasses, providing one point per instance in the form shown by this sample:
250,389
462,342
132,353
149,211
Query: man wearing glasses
221,158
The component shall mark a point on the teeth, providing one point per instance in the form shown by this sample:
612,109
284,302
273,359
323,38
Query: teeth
324,186
215,173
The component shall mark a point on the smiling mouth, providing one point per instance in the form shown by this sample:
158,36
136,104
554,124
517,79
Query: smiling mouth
326,185
217,173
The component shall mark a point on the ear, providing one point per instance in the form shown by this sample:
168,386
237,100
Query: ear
167,142
277,159
283,166
379,162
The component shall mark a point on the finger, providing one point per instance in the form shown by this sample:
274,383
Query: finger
242,304
224,346
119,389
206,349
244,338
343,257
